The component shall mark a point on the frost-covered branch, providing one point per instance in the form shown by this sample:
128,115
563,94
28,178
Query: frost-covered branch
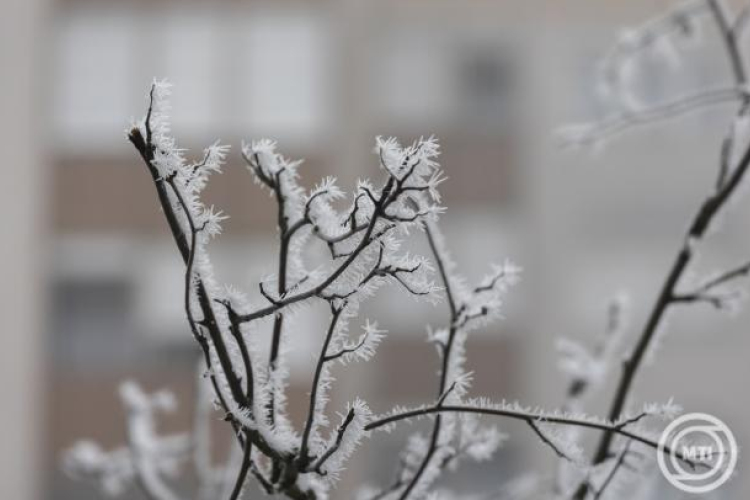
366,233
397,202
283,183
365,240
178,186
450,439
316,383
529,416
734,161
148,460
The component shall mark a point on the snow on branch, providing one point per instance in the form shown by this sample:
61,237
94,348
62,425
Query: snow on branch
452,437
368,233
536,417
366,243
148,459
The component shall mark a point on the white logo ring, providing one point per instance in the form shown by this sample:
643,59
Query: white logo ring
674,438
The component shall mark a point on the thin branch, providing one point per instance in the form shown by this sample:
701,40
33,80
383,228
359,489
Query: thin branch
317,290
737,272
717,301
618,463
346,350
697,230
317,466
244,469
468,318
189,287
730,36
236,331
390,191
310,422
526,417
701,222
285,236
619,123
447,350
266,295
491,284
632,420
258,475
546,440
731,45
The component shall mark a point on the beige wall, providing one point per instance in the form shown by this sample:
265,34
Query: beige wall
23,245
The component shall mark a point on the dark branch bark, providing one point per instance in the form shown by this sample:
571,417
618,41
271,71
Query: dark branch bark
446,351
304,459
697,230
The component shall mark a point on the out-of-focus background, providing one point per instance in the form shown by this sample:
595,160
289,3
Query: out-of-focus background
92,282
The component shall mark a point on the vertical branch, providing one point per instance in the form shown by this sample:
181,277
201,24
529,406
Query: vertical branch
244,469
322,359
446,351
618,463
209,315
278,321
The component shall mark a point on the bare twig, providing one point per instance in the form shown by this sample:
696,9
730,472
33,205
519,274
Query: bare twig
618,463
548,441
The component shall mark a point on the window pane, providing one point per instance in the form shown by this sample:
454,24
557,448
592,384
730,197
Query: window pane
286,76
190,60
94,64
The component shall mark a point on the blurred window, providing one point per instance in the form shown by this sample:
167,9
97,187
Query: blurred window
92,321
427,77
285,74
95,62
189,55
413,78
244,71
485,85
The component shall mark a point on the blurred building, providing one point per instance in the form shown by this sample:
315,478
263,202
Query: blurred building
490,79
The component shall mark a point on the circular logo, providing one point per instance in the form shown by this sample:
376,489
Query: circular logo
697,453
